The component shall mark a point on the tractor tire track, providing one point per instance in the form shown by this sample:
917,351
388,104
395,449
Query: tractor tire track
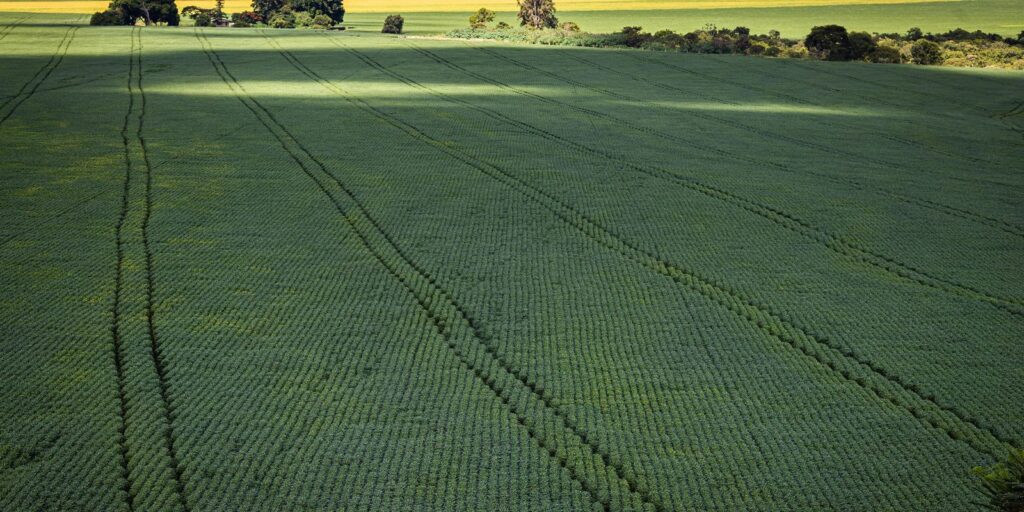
156,351
1004,117
846,351
32,85
837,358
141,461
11,26
831,241
451,320
943,208
117,343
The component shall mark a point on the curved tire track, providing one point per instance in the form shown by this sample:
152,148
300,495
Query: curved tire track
840,360
831,241
463,334
32,85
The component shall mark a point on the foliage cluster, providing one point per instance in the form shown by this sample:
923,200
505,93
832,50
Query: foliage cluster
298,13
1004,483
393,24
537,14
828,42
284,16
130,12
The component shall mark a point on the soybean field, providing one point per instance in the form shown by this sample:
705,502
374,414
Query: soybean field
303,270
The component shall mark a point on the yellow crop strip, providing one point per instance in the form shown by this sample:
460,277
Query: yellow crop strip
85,6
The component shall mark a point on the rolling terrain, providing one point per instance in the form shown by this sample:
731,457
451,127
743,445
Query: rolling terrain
793,19
300,270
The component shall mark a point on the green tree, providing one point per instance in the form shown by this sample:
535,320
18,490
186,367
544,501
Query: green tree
861,45
393,24
830,42
481,18
333,9
107,17
537,13
150,11
267,8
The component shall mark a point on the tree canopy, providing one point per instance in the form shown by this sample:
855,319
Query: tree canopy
128,12
830,41
537,13
333,9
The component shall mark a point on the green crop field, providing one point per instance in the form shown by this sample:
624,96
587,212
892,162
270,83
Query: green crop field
305,270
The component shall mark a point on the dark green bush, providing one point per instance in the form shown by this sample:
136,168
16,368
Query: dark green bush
634,38
829,42
757,48
393,24
861,45
925,52
108,17
322,21
283,19
570,26
245,18
885,55
1004,483
669,40
303,19
203,20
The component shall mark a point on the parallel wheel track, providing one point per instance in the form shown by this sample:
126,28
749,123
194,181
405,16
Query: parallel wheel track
32,85
826,352
789,221
924,203
449,317
10,27
134,141
115,326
